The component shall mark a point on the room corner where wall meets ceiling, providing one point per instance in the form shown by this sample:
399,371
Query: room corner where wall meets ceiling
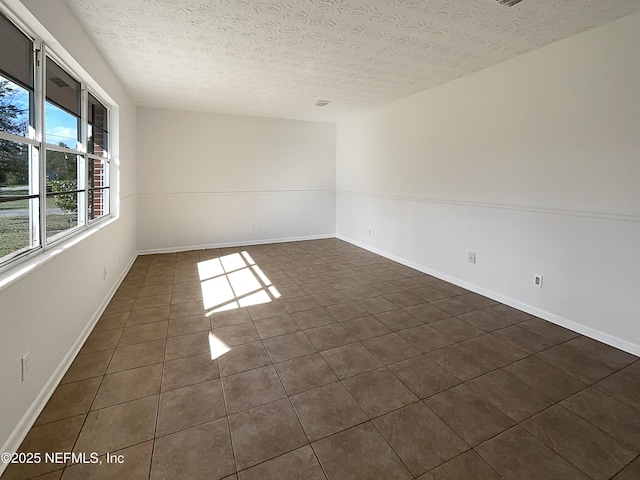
532,165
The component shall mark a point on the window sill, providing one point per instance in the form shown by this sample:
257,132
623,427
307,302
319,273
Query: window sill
29,264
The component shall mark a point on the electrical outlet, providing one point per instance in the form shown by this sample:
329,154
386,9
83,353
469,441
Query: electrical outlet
537,280
104,273
25,365
251,227
472,257
370,231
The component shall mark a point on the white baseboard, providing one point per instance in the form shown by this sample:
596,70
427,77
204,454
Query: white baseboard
31,415
263,241
603,337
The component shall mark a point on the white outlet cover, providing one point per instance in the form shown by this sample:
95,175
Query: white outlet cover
472,257
537,280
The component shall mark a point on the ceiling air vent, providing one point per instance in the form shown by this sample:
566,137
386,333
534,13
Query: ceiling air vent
509,3
322,103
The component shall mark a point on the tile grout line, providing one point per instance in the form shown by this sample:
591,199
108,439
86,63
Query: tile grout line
369,268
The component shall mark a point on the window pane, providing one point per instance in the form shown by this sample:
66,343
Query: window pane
62,213
16,54
63,171
98,127
98,203
16,235
97,113
64,205
98,173
14,167
18,214
97,141
62,127
14,108
62,109
98,194
62,89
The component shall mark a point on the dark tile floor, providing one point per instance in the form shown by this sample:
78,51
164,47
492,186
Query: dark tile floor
330,362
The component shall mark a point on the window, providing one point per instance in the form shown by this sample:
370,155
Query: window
54,148
19,162
64,161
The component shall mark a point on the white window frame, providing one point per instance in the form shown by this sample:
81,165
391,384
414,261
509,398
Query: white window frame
37,140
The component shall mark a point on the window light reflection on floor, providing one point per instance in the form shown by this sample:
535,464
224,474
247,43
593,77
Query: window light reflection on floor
229,282
234,281
217,346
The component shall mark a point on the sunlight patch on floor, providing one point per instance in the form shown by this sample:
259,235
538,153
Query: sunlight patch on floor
234,281
217,346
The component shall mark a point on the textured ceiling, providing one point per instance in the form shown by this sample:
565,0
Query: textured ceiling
276,58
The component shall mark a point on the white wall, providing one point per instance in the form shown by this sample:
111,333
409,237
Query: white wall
533,164
205,178
50,309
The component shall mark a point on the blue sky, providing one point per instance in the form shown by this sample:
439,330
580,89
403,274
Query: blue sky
61,126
